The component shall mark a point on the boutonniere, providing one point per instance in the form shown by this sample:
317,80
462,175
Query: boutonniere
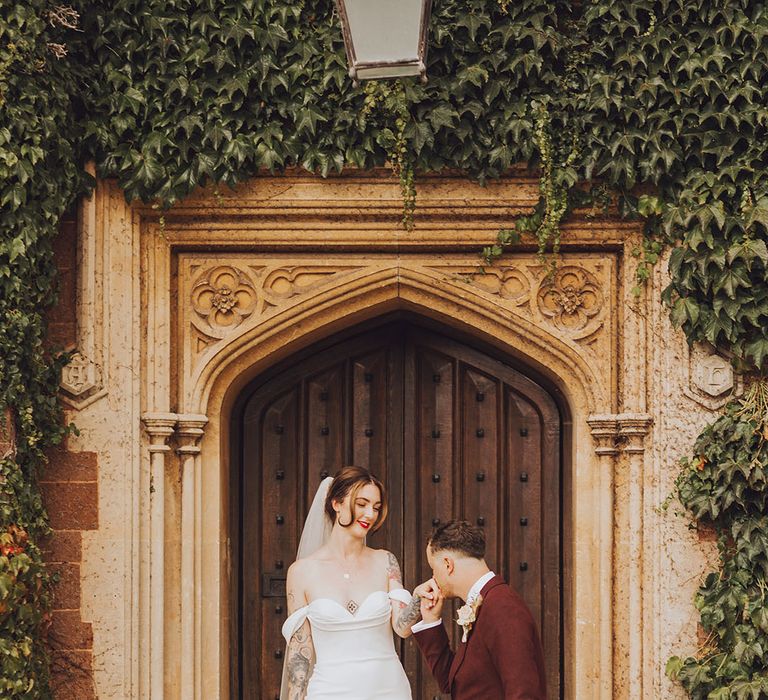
467,614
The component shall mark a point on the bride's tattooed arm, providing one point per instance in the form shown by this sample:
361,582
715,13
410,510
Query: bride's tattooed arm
300,655
407,617
403,616
298,662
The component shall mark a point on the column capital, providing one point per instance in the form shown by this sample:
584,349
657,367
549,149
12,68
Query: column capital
159,427
605,432
633,427
617,432
634,423
190,429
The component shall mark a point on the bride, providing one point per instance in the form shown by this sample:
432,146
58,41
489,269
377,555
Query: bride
344,599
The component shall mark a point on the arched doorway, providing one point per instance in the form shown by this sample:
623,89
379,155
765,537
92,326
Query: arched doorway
453,429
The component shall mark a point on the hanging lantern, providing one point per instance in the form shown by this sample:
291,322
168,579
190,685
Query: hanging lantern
385,38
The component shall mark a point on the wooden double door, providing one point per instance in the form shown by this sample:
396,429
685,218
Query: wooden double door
451,431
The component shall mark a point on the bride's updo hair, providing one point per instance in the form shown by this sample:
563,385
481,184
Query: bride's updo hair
349,480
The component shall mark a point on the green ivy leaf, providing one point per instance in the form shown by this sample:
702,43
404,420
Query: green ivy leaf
685,310
442,115
758,350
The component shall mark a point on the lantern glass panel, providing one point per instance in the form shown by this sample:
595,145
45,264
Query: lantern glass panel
385,31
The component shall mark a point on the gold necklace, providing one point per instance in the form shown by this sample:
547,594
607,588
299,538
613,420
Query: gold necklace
346,570
351,605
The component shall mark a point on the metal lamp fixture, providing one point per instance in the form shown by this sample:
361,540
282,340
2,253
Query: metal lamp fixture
385,38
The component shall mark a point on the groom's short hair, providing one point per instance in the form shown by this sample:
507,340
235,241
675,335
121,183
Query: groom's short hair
459,536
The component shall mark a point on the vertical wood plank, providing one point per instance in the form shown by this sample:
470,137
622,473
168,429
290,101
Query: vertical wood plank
371,435
325,425
436,475
413,552
368,427
481,495
270,489
526,439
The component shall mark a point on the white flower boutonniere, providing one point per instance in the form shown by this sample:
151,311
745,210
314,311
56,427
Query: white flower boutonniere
467,614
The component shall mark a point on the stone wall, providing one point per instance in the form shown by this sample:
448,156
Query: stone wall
136,500
683,404
69,485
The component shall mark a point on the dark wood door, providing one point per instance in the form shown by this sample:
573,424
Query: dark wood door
451,431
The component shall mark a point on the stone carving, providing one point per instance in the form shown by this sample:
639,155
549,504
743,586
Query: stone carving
713,375
82,380
509,283
711,379
224,296
286,282
228,295
571,299
81,377
200,341
570,303
512,284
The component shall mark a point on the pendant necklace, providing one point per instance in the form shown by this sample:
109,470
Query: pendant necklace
351,604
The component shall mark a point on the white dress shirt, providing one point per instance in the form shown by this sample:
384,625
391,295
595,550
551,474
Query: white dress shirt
474,591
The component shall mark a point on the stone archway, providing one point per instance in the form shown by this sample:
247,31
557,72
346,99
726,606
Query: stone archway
228,286
398,286
491,452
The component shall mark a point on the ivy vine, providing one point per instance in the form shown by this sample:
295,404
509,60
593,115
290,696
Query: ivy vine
388,101
39,178
556,198
654,105
726,486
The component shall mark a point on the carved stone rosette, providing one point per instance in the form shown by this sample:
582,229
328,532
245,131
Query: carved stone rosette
228,295
571,301
223,297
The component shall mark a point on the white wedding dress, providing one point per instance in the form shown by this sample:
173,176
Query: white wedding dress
355,654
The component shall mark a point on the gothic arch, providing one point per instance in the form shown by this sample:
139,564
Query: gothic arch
228,367
376,291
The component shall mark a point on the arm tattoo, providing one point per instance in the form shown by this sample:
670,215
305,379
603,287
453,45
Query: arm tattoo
298,663
291,594
408,615
404,618
393,569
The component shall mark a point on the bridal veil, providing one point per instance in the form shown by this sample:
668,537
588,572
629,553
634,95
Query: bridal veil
317,530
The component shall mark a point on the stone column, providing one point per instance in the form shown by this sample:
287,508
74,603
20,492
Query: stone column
605,434
190,432
633,428
159,427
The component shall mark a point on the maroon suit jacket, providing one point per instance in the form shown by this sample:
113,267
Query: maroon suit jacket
502,658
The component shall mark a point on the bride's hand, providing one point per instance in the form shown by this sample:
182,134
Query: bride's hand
426,590
431,600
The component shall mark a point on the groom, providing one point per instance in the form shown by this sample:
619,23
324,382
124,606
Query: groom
500,655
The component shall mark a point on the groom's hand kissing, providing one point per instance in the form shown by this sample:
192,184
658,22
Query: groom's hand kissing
431,600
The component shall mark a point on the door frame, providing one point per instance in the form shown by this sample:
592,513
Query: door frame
370,326
315,256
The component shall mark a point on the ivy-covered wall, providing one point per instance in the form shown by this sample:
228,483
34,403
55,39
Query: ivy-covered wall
40,146
656,103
